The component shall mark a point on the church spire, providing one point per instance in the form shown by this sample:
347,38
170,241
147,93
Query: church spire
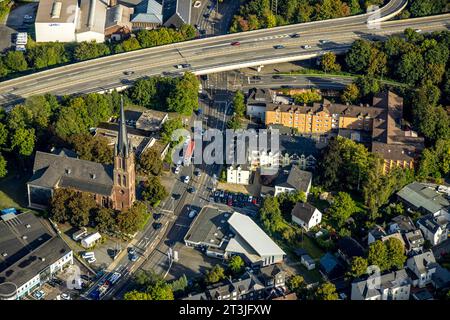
122,148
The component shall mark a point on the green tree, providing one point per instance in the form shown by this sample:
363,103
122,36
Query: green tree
239,104
150,162
411,67
358,267
80,207
90,50
3,165
378,255
59,204
214,275
328,62
184,98
367,86
296,283
105,220
234,123
160,291
15,61
308,97
395,253
19,117
153,191
358,57
73,119
169,127
342,209
270,215
43,55
326,291
91,148
131,220
236,264
131,44
350,94
23,141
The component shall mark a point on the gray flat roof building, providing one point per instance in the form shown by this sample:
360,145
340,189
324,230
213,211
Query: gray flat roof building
210,228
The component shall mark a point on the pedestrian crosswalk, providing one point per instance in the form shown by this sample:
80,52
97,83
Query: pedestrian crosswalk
281,36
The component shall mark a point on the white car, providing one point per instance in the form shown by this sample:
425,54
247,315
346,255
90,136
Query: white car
418,30
187,179
65,296
91,260
39,294
177,169
192,214
307,46
197,4
179,66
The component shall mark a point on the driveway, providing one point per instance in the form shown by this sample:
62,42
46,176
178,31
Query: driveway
14,23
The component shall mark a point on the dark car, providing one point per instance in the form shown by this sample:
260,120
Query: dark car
295,35
236,43
156,216
276,77
186,65
157,225
278,46
191,189
206,15
176,196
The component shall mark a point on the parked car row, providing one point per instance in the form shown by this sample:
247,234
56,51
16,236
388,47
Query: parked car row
234,199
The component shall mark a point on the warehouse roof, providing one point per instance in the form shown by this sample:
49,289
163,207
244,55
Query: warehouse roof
248,230
423,196
209,228
51,11
92,16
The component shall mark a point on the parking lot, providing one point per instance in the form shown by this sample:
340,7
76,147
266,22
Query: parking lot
63,286
15,23
237,200
191,262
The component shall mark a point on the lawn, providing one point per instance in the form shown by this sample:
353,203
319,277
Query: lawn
13,189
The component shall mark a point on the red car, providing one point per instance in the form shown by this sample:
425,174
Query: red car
236,43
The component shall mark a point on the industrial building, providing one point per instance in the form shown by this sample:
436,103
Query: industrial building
224,235
30,255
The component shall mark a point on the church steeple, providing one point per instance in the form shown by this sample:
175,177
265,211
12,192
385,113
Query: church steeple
124,191
122,147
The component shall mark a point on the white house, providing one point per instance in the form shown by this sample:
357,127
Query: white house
239,174
293,180
56,20
423,266
434,229
257,100
392,286
306,215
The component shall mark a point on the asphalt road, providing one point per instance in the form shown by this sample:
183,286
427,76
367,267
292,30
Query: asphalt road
204,54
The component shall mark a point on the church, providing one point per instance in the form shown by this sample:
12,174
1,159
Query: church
112,186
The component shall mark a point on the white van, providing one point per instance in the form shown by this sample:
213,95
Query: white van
88,255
